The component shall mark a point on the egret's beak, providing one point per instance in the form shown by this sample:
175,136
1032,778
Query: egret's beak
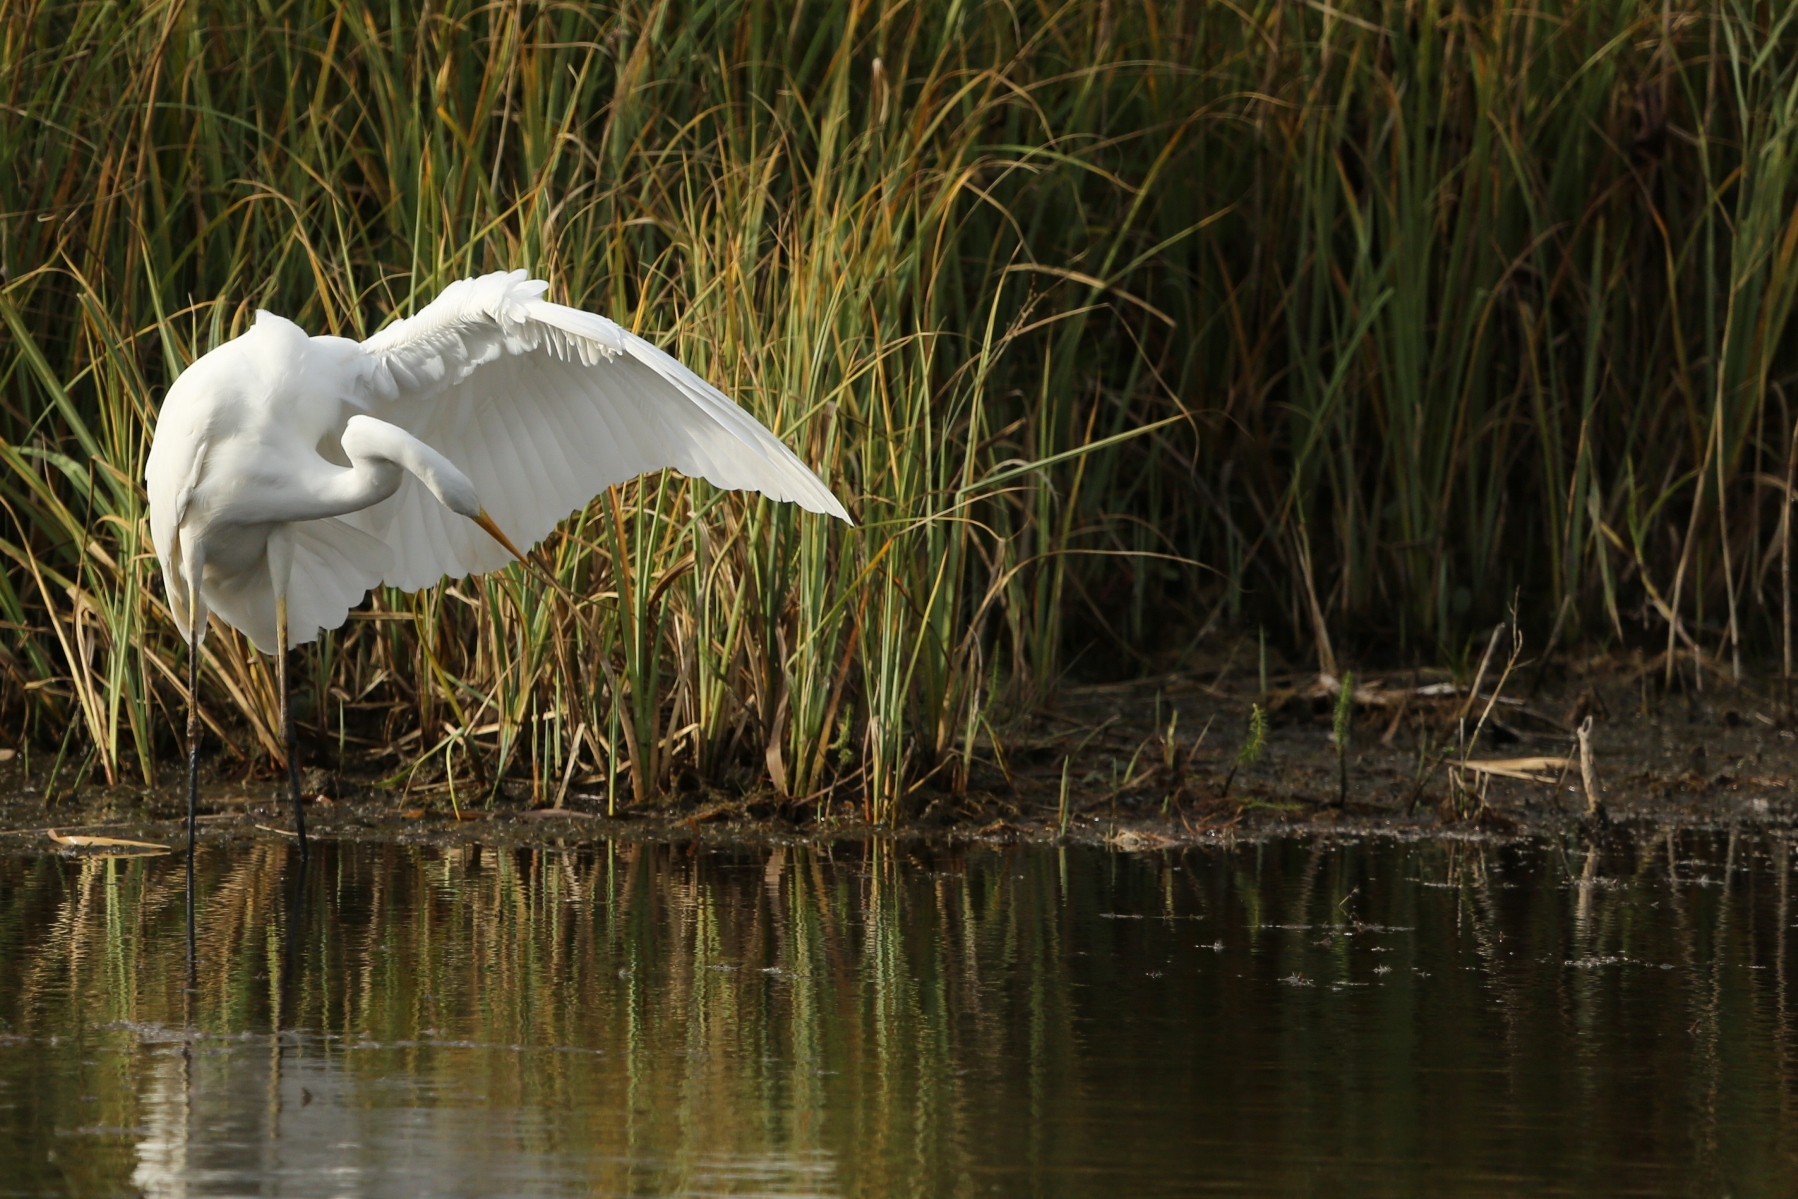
530,567
499,535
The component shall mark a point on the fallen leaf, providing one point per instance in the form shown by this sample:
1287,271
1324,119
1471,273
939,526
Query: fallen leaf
85,842
1136,840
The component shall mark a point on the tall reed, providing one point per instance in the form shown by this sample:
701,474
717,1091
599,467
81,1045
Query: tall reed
1117,323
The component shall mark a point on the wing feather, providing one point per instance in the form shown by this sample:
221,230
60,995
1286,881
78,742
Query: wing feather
334,566
543,407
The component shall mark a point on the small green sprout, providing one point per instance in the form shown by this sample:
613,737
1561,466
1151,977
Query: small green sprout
1252,745
1256,741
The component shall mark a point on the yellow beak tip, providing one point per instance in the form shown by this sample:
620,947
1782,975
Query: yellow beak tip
498,534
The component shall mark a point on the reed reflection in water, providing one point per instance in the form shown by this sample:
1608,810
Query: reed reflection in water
865,1019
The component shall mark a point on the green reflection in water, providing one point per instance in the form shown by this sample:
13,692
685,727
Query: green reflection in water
1290,1018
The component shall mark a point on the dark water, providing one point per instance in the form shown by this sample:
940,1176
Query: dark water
1307,1019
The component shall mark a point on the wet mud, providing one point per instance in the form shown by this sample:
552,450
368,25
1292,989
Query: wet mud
1143,764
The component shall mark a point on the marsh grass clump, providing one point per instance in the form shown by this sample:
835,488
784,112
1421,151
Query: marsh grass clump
1115,323
1254,742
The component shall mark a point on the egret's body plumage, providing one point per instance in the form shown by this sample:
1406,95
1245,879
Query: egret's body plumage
534,406
295,473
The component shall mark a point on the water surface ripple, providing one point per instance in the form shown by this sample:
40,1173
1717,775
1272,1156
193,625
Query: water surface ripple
1293,1018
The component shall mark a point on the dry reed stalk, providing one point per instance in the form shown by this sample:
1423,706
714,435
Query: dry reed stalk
1785,570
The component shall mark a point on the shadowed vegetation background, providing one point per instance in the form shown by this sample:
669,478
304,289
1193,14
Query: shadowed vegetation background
1116,324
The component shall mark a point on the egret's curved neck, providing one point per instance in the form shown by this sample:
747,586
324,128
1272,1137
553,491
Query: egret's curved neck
364,483
381,455
368,439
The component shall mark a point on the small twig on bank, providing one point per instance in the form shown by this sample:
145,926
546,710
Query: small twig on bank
1426,772
1498,689
1594,806
1170,752
1340,727
1062,822
1460,741
574,755
1785,571
1176,771
1479,676
50,787
1192,752
1398,716
1554,791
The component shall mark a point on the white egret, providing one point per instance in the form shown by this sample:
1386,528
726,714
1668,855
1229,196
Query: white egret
290,474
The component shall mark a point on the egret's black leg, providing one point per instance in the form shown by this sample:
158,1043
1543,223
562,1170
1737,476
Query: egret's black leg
193,783
287,737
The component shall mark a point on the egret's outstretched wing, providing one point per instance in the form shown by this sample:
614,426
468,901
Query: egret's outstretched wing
543,407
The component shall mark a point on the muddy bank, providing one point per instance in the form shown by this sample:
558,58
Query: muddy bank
1148,763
